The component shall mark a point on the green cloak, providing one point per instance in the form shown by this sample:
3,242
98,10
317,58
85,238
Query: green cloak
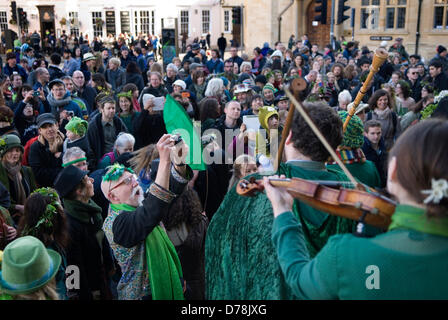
241,261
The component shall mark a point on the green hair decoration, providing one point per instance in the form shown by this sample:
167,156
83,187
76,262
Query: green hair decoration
127,94
51,211
115,171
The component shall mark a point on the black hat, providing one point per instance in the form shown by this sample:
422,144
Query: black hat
195,46
261,78
68,179
45,118
440,49
55,81
281,98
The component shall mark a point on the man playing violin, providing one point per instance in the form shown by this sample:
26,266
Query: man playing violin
241,262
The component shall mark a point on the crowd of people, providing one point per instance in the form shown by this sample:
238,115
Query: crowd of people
88,180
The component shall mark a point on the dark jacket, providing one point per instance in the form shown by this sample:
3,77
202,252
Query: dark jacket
378,158
440,82
169,83
148,129
156,92
88,249
45,165
55,73
116,79
136,79
88,94
28,182
95,136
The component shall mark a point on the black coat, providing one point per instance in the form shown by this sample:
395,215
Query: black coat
380,160
148,129
136,79
95,135
88,94
161,91
55,73
45,165
84,251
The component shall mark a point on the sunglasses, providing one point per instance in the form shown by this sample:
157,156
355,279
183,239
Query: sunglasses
128,181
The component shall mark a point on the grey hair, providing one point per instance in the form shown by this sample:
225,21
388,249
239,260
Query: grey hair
214,87
73,153
122,139
173,67
345,96
40,70
115,61
246,63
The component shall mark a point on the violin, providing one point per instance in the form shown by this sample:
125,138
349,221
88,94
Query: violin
331,197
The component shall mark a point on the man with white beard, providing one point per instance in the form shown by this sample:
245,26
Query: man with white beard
149,264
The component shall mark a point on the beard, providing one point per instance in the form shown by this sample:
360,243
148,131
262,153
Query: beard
138,192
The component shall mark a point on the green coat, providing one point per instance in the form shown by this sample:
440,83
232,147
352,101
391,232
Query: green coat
403,263
240,260
366,172
27,178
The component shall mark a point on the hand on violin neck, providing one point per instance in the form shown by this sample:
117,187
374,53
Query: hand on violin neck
280,199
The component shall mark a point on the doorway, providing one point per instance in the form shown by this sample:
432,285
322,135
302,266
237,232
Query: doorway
47,23
319,34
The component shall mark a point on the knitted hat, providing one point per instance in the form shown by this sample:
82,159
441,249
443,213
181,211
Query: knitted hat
9,141
353,135
264,114
68,179
77,126
27,266
270,86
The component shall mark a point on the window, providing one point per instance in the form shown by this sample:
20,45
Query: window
205,21
3,21
74,23
370,13
440,14
395,14
125,21
184,22
152,22
144,22
97,23
226,20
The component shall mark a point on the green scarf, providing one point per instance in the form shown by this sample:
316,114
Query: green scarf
413,218
164,267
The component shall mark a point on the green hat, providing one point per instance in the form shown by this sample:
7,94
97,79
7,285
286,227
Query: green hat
269,86
353,135
77,126
9,141
27,266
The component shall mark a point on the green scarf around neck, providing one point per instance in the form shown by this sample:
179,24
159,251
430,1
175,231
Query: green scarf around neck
164,267
413,218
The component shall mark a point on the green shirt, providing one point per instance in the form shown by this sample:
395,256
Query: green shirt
366,172
401,264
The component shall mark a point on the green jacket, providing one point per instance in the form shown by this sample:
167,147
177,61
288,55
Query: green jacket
403,263
240,259
27,178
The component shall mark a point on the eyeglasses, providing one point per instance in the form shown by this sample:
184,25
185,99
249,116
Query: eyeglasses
128,181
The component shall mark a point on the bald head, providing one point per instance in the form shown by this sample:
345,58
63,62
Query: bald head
78,78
